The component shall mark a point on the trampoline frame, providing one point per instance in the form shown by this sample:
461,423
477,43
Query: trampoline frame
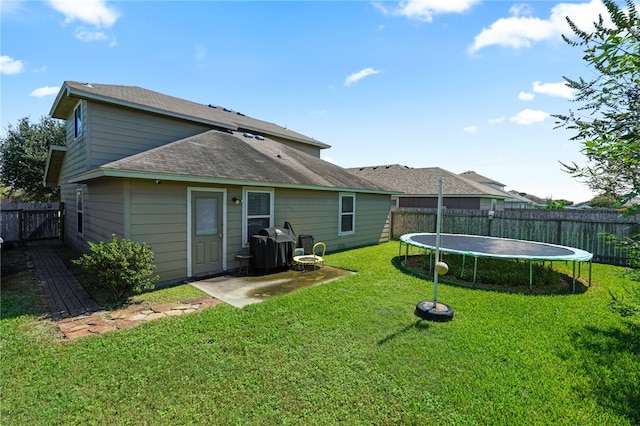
578,254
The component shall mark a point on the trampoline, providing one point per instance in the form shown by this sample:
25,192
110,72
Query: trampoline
478,246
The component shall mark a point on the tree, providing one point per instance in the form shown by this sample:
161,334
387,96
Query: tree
23,157
557,204
608,122
603,201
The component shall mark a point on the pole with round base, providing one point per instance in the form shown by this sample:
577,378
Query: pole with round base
432,310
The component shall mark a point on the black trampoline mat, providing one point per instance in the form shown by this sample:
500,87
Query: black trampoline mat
489,246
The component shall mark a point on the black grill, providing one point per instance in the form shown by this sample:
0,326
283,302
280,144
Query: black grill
272,248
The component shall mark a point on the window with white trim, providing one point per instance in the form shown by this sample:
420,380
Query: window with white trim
258,209
80,210
347,216
77,121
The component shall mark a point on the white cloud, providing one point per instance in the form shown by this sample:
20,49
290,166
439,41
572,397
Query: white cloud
87,36
42,92
201,52
524,96
529,116
425,10
10,66
11,7
357,76
553,89
520,31
470,129
521,9
94,12
496,120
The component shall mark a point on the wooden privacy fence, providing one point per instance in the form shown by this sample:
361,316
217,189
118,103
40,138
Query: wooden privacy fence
581,229
30,221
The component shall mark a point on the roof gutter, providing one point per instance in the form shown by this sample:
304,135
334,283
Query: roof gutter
116,173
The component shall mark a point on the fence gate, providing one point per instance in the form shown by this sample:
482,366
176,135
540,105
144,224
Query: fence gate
21,222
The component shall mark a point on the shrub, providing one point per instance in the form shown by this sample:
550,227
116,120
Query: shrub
124,266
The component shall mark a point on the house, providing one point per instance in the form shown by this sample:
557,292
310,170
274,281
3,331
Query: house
195,181
513,201
537,202
419,187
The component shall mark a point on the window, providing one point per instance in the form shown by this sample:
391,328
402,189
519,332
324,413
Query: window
347,214
77,121
259,212
80,209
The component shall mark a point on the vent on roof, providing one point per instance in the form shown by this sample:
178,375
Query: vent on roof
88,85
239,113
248,135
260,138
226,109
212,106
387,167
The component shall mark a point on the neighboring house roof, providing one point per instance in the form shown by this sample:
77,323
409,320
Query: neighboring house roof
220,157
158,103
511,197
424,181
470,174
536,200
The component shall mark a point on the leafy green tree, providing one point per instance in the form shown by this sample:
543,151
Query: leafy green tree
607,123
23,157
603,201
557,204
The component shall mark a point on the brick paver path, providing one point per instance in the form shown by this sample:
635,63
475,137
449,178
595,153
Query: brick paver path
129,317
78,314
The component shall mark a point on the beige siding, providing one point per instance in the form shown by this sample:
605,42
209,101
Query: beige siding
316,213
71,236
76,156
158,217
117,133
103,210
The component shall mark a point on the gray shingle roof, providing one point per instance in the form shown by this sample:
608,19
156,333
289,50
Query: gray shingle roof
476,177
424,181
148,100
225,157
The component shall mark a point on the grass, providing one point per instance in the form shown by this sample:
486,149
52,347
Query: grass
350,351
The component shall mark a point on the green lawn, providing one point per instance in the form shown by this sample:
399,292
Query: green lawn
350,351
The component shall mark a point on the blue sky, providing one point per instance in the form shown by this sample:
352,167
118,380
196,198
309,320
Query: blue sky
457,84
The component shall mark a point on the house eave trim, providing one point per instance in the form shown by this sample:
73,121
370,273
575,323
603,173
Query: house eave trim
100,173
47,181
492,197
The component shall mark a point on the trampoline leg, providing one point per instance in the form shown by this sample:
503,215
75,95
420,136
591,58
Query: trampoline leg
475,269
574,277
530,276
464,257
406,252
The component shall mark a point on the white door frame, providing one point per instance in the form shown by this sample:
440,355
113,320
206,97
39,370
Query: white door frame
223,191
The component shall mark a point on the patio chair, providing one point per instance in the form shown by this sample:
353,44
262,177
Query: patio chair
315,258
